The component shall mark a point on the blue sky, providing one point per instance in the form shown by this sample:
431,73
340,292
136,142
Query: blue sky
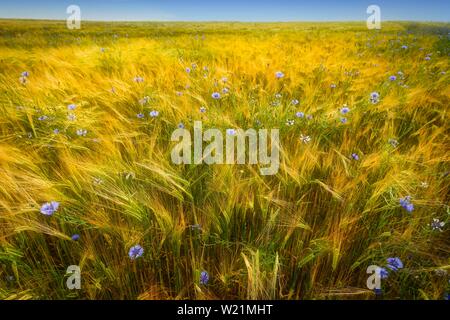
228,10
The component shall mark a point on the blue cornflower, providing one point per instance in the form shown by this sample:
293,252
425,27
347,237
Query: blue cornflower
355,156
374,97
181,125
427,58
56,131
135,252
49,208
437,224
140,115
392,78
204,278
225,90
42,118
383,273
75,237
188,70
71,106
231,132
406,203
202,109
404,47
154,113
394,263
215,95
345,109
25,74
279,74
81,132
343,120
299,114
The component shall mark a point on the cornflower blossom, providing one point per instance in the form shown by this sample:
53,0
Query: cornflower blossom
279,74
153,113
135,252
204,278
215,95
49,208
394,263
437,225
406,203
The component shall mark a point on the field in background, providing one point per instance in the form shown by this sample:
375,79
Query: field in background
71,131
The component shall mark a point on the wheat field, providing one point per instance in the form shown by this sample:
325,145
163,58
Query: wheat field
86,177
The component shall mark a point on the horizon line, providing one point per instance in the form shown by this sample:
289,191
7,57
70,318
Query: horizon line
234,21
